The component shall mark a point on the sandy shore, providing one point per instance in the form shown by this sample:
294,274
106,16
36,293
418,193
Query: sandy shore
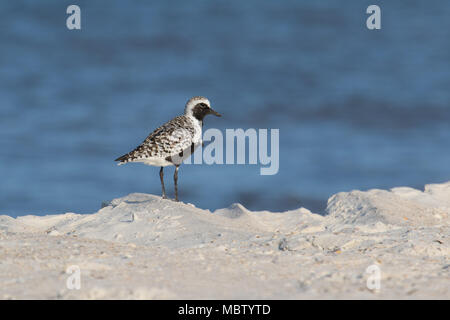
143,247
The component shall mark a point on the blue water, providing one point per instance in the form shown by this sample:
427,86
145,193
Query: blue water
356,109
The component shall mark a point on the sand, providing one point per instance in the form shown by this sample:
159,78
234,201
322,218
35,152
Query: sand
144,247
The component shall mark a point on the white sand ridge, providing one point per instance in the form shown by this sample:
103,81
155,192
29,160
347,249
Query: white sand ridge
141,246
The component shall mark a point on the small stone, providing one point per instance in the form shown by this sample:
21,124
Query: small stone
283,245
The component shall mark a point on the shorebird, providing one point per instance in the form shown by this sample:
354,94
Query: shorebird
174,141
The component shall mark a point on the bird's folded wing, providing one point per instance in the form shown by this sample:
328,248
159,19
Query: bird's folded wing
168,140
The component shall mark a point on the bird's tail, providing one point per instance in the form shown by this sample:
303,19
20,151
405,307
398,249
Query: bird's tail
123,159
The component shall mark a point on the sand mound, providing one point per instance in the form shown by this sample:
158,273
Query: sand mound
141,246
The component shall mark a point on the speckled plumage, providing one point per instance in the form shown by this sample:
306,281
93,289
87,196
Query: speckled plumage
174,137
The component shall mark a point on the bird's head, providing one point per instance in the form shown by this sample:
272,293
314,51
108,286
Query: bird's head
199,107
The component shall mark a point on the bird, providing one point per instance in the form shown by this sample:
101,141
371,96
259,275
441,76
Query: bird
174,141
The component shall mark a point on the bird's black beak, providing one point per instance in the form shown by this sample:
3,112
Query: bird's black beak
211,111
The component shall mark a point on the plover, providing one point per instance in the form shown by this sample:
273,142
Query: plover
174,141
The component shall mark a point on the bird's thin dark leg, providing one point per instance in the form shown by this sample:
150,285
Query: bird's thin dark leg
175,179
161,176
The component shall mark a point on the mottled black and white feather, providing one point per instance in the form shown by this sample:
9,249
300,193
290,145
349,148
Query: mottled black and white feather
173,139
172,142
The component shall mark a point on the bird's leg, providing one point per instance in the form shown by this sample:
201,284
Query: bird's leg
161,176
175,179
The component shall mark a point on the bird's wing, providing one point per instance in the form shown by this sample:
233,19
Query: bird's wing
169,140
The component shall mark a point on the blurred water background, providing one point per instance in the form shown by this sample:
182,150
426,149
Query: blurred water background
356,109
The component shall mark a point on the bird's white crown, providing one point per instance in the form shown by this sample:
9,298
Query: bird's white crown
193,102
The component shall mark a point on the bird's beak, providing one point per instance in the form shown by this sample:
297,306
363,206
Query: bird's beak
211,111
